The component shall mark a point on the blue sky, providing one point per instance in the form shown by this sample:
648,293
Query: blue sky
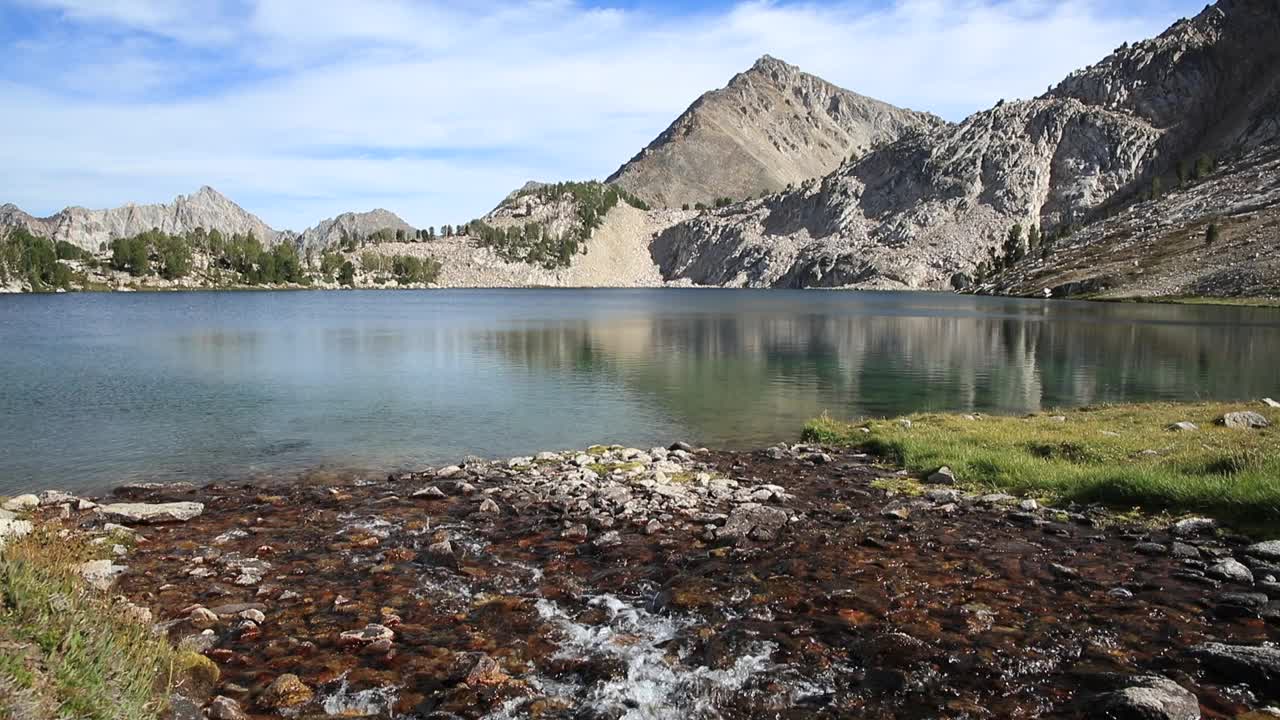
301,109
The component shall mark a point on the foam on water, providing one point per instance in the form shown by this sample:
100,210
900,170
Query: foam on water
343,702
656,685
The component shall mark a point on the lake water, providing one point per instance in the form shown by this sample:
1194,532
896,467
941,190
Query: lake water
101,389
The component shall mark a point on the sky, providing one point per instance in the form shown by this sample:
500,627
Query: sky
301,109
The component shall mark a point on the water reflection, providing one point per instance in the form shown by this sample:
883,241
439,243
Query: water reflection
198,386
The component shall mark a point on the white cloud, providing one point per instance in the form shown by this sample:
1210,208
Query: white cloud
301,110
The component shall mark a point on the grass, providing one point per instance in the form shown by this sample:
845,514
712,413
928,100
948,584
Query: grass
69,651
1121,455
1262,302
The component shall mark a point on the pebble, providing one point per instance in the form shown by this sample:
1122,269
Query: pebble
431,491
489,507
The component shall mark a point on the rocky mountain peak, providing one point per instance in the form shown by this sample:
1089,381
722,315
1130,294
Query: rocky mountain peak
771,126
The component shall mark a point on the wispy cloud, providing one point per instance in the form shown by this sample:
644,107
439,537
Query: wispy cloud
300,109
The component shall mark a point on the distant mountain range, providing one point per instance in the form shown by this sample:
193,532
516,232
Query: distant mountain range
1106,184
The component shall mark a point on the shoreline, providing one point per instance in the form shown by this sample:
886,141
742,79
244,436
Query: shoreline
1245,302
547,585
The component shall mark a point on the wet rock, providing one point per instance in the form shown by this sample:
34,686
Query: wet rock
371,633
225,708
1183,551
896,512
1184,427
1244,420
151,513
285,692
1149,697
1230,570
431,492
680,445
576,532
1257,666
489,507
485,671
653,527
448,471
608,540
21,503
1150,548
1120,593
942,476
752,520
441,552
1269,550
202,618
253,615
1193,526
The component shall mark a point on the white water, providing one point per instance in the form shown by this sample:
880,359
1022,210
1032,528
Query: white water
656,685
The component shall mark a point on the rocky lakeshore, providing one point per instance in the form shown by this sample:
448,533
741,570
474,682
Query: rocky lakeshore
797,581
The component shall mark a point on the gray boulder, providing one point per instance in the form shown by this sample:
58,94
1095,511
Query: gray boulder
1269,550
151,513
1231,570
1256,665
1148,697
1244,420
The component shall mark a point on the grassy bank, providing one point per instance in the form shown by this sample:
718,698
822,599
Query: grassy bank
1123,455
1264,302
67,650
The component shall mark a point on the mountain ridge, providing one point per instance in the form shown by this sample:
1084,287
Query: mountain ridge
925,212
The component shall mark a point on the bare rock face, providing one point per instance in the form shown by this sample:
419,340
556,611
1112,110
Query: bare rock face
926,210
335,230
89,229
773,125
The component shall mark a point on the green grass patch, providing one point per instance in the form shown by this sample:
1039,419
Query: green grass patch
69,647
1121,455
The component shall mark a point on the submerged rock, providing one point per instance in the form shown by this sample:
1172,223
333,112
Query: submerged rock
285,692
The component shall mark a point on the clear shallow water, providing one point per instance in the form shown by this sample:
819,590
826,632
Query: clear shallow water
100,389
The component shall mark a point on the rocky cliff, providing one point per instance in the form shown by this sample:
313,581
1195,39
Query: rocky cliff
773,125
925,211
90,229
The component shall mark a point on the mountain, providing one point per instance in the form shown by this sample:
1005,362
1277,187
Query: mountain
925,211
328,233
771,126
90,229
